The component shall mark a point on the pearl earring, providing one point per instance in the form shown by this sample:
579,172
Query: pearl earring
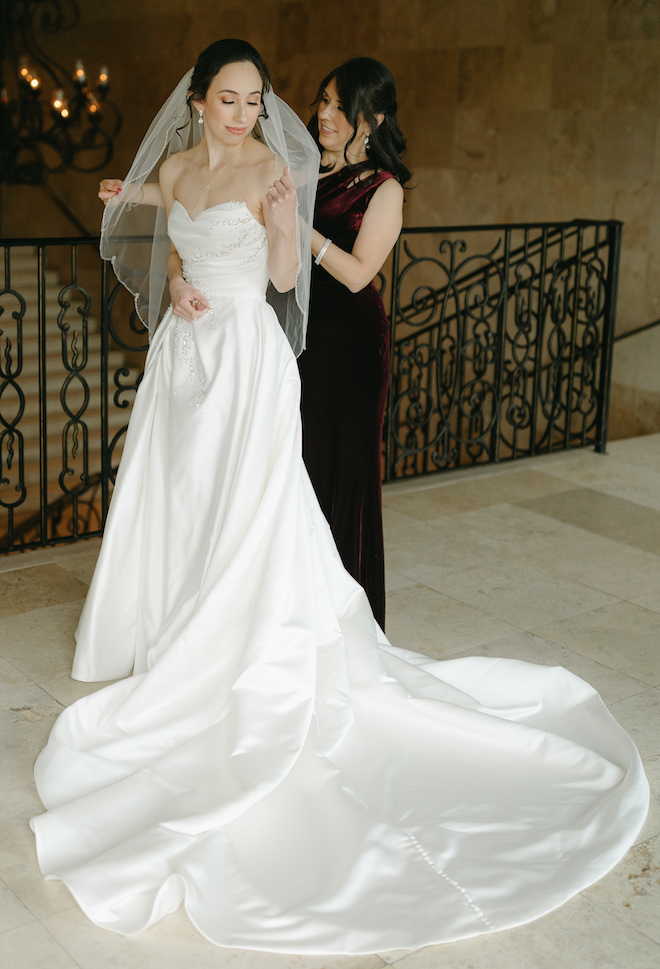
201,118
366,141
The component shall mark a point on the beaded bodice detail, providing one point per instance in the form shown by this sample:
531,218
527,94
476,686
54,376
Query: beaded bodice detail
224,249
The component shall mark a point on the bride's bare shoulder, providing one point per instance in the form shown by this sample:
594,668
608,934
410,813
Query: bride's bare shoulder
176,163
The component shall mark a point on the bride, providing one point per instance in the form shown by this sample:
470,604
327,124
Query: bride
268,759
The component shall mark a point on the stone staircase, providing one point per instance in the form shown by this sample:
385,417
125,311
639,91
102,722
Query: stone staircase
64,450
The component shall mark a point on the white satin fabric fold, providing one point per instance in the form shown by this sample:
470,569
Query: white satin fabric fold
273,762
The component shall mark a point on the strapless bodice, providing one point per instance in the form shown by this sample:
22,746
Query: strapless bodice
224,249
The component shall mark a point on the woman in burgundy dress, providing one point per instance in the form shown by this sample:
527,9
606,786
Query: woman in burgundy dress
345,368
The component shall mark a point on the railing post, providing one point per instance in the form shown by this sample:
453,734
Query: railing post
105,450
43,417
614,232
394,302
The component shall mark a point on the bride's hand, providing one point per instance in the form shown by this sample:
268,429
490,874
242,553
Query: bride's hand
187,302
281,203
108,188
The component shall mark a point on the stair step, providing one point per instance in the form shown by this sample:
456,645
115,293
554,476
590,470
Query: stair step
25,276
55,492
30,386
54,364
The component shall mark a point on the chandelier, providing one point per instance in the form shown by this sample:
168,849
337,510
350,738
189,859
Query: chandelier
50,120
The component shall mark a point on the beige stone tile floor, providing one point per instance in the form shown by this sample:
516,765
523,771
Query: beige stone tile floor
555,560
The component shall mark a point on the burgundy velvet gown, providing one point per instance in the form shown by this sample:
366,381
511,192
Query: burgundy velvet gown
345,376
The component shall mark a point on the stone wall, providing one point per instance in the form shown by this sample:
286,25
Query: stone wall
514,110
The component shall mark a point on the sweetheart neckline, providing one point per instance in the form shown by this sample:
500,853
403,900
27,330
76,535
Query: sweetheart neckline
218,205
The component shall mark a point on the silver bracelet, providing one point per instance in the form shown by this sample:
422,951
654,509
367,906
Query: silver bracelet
324,249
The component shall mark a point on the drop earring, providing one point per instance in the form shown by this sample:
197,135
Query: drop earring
200,120
366,142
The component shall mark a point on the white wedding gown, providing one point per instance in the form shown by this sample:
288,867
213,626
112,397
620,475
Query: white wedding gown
273,763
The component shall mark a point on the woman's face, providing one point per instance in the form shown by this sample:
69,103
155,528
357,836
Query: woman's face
335,130
233,101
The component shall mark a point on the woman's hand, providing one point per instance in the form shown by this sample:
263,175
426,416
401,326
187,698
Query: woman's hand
147,194
187,302
280,212
108,188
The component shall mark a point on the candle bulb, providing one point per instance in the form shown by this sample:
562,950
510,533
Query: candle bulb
93,107
79,74
60,104
104,79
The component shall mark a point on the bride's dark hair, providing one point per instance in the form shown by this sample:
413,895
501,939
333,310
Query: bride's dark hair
217,56
366,87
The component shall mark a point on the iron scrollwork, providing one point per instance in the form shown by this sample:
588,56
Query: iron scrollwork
498,345
12,399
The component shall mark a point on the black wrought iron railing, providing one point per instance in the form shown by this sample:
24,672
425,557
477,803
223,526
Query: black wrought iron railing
71,358
501,348
502,343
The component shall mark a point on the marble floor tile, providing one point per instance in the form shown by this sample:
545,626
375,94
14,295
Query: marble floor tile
623,636
19,803
27,715
611,684
393,580
643,489
396,955
615,518
601,563
650,601
578,935
66,690
10,676
469,495
63,553
175,944
19,869
428,552
82,566
525,596
651,829
630,892
395,519
12,911
33,947
23,590
644,450
14,561
425,621
638,483
40,643
640,717
406,545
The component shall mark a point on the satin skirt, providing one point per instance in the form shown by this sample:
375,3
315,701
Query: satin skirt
269,760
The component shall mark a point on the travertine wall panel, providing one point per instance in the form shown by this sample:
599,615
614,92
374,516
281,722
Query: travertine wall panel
514,110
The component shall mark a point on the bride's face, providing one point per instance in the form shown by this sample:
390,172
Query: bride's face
232,102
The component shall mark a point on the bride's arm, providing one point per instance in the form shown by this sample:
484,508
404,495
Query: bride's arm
280,215
379,231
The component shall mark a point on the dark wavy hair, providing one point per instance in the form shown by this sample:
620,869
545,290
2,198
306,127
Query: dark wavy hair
366,87
217,56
